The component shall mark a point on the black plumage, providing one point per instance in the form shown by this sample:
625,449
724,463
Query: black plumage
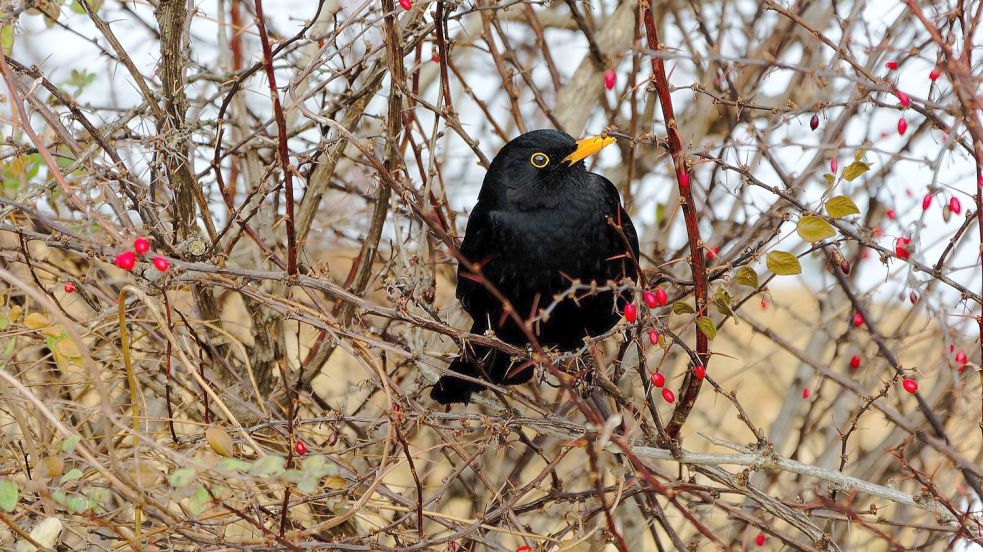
541,222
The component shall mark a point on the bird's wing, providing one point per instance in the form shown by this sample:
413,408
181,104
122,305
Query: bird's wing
620,216
476,247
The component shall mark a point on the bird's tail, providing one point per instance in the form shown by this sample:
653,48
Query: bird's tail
496,364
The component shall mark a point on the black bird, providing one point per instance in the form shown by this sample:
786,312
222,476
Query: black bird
541,222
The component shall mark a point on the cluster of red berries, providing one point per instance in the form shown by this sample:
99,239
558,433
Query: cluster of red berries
655,299
658,380
128,259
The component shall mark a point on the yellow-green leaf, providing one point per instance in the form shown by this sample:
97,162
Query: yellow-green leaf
7,39
36,321
681,307
746,276
220,441
854,170
722,300
707,327
783,264
814,229
841,206
8,495
830,180
859,154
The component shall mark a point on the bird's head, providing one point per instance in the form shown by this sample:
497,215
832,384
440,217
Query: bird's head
535,169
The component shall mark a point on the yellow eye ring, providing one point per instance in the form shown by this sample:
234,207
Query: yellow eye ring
539,160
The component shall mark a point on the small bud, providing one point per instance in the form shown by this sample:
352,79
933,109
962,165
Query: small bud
805,392
126,260
658,379
609,79
161,264
668,395
814,122
910,385
845,266
832,165
913,297
890,214
69,287
902,126
955,206
631,313
927,201
891,65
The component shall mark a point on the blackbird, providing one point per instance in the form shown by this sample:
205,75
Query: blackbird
541,222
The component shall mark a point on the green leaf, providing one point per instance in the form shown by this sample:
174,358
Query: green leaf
7,39
234,464
841,206
268,465
830,180
814,229
198,500
783,264
68,445
181,478
8,348
721,300
8,495
746,276
681,307
77,504
707,327
854,170
660,212
317,466
70,476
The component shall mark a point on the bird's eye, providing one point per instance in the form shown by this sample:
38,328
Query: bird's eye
539,160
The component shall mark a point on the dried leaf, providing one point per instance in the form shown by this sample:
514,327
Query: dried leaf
220,441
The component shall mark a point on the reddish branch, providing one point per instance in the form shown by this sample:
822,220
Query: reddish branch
691,386
281,125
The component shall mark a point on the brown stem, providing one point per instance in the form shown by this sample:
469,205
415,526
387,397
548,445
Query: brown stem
691,385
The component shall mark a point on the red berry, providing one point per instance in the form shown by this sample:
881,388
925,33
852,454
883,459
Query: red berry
654,337
661,297
961,359
858,319
903,98
927,201
609,78
69,287
712,253
126,260
910,385
855,362
631,312
668,395
650,299
952,347
892,65
890,214
435,59
764,304
300,448
805,393
699,372
913,297
658,379
814,122
955,206
832,165
141,245
160,263
406,4
901,248
934,75
524,548
902,126
845,266
683,179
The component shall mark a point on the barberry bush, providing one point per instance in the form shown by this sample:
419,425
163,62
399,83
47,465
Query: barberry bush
228,243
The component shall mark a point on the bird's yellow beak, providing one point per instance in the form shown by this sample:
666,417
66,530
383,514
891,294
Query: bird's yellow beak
588,147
